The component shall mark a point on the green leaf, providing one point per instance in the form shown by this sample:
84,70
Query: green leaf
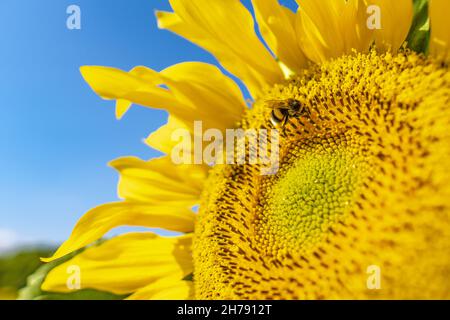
85,294
419,35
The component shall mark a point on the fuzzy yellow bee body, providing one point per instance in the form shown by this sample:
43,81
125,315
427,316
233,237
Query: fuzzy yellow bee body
283,110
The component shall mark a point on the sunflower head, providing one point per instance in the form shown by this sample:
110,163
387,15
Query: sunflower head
353,190
361,182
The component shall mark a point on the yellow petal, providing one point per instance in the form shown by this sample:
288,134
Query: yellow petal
331,28
159,180
181,89
157,193
440,35
395,21
161,139
207,91
125,264
217,95
113,84
226,29
98,221
277,26
122,107
110,83
169,288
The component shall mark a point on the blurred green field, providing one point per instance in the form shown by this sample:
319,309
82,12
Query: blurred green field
15,269
22,273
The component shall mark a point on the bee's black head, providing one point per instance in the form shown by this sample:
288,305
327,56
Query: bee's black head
295,105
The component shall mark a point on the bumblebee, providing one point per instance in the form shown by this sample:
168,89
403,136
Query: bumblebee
282,110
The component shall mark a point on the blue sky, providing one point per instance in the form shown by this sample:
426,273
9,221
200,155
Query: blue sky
56,135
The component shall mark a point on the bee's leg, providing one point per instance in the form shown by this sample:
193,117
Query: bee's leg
285,121
283,125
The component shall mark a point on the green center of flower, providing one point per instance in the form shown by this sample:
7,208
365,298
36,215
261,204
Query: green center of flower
311,192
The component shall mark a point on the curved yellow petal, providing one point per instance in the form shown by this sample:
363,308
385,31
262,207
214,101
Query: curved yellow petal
395,21
114,84
207,92
218,95
98,221
277,26
170,288
226,29
122,107
161,139
440,35
158,194
124,264
159,180
180,89
331,28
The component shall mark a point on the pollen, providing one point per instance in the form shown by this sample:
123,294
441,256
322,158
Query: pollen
363,180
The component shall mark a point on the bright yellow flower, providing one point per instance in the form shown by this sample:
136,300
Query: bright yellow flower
363,179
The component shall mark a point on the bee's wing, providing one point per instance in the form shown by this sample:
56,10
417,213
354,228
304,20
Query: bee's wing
276,104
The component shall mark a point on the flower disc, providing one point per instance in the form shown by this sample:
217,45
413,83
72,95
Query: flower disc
362,182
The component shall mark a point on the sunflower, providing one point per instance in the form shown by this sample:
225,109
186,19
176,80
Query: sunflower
363,179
